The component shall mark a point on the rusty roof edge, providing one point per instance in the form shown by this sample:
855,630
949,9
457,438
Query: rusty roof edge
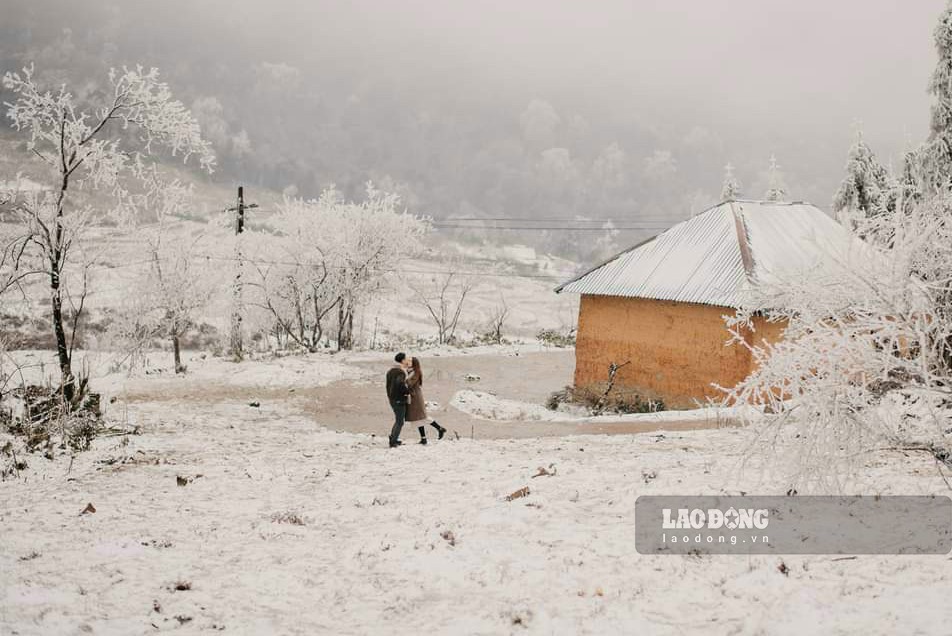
746,256
704,303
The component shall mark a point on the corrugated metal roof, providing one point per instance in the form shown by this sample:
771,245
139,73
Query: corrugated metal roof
702,260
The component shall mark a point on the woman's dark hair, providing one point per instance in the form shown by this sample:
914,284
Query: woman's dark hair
417,370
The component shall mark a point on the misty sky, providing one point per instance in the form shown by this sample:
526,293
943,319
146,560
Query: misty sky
809,65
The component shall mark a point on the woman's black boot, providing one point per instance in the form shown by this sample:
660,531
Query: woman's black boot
440,431
423,434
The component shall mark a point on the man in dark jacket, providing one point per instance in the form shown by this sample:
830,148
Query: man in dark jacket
397,393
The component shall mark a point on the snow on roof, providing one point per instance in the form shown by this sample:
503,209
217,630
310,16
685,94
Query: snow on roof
714,258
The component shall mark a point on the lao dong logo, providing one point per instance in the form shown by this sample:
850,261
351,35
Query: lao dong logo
714,519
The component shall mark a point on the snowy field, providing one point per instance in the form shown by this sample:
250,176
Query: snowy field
220,516
475,179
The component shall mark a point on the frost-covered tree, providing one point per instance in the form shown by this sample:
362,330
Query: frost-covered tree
107,148
866,359
179,283
374,238
299,296
867,188
442,295
17,262
730,189
176,284
15,266
936,153
497,318
776,188
332,255
303,284
909,185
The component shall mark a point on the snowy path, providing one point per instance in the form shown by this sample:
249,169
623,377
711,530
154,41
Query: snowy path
344,392
375,553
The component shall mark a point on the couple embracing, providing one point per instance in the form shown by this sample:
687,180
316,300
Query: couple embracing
405,392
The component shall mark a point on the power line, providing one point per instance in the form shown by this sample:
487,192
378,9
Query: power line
552,219
123,265
390,270
142,226
37,301
550,228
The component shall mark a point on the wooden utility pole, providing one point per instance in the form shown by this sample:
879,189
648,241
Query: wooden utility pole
236,344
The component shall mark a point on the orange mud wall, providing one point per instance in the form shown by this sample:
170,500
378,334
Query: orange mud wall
676,349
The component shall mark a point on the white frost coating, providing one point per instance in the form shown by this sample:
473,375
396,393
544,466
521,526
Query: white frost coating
865,358
490,407
111,150
326,257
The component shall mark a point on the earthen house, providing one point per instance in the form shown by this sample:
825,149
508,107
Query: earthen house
660,305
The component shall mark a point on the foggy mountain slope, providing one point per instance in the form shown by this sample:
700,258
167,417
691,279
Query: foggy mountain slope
624,111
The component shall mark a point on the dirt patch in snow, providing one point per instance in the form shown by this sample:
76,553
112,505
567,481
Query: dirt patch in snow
356,401
360,406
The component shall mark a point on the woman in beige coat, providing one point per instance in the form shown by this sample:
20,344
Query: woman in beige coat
416,409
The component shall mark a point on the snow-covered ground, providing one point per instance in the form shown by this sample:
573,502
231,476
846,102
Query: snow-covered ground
221,516
488,406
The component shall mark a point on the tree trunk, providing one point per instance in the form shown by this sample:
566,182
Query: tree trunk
350,328
345,326
316,334
62,347
177,355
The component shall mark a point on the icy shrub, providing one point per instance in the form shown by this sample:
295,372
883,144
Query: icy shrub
557,398
79,430
599,399
40,418
399,340
11,464
556,339
289,517
218,346
866,359
488,337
